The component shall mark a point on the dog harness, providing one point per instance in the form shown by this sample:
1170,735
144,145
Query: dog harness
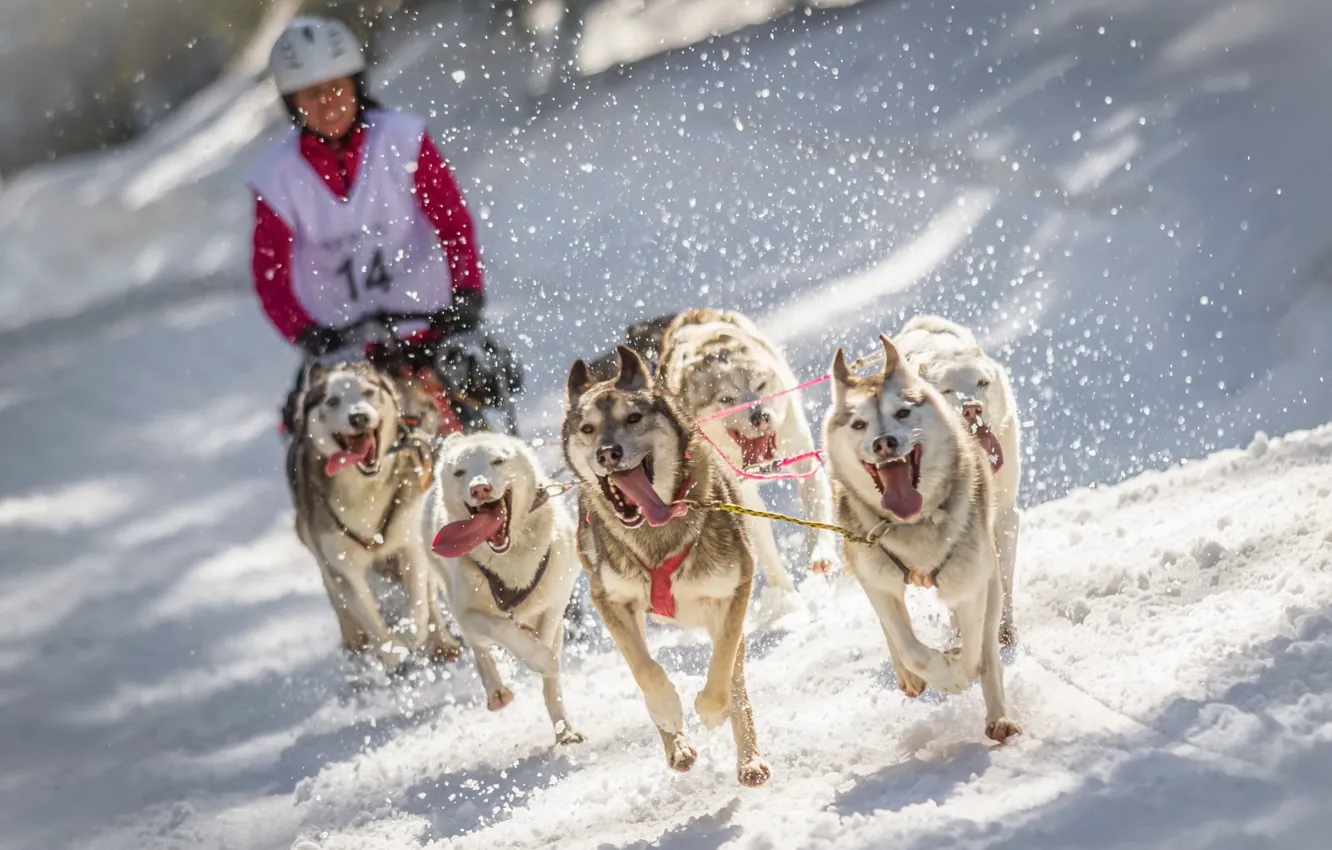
662,597
507,598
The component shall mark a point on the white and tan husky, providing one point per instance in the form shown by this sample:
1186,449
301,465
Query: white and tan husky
948,356
902,458
358,480
508,556
636,457
713,360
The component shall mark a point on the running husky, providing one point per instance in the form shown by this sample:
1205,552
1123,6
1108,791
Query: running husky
714,360
358,478
508,556
947,355
635,456
903,459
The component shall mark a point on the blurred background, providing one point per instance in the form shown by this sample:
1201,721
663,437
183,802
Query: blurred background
83,74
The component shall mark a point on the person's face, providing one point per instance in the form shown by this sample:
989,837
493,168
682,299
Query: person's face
328,108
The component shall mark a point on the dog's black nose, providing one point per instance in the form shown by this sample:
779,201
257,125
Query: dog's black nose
758,417
885,446
359,420
610,456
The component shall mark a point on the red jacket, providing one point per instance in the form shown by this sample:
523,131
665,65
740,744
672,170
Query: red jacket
440,199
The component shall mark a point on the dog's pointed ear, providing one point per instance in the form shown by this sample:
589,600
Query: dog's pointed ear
634,374
580,378
840,371
315,371
841,375
891,359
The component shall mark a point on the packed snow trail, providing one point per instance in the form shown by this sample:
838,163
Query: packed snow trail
1078,180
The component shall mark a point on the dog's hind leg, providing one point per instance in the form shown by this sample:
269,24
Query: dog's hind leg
726,629
751,769
1006,526
629,631
998,726
552,632
421,587
416,587
497,696
815,493
354,638
440,645
760,531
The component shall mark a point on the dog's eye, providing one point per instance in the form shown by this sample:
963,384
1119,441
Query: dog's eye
459,473
902,413
945,392
727,400
859,425
499,461
982,383
370,393
586,429
633,418
761,387
333,401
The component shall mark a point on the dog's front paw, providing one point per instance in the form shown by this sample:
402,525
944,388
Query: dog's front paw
910,684
712,708
443,649
566,736
499,698
824,559
754,772
1002,729
391,656
947,674
680,754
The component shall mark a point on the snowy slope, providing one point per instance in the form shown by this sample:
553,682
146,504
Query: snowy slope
168,676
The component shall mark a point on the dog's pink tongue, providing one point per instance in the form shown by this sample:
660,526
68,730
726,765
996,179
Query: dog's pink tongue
636,487
458,538
358,449
990,443
340,460
899,497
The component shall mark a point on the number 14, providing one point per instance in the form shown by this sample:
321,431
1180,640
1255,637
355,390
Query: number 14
376,276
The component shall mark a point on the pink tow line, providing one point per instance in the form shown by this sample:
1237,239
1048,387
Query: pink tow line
780,463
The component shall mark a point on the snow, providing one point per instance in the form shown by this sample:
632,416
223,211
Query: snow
1127,200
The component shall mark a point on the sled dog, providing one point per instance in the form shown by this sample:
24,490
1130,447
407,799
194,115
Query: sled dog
358,478
902,458
508,556
714,360
644,337
636,456
947,356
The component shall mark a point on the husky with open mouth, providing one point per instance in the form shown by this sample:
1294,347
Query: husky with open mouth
506,549
358,479
715,360
948,356
904,463
636,457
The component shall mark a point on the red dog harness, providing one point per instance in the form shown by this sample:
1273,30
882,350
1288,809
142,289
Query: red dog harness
662,596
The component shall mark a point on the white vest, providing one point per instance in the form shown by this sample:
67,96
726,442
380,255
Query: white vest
374,251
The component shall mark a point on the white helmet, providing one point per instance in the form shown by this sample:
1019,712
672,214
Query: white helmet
314,50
